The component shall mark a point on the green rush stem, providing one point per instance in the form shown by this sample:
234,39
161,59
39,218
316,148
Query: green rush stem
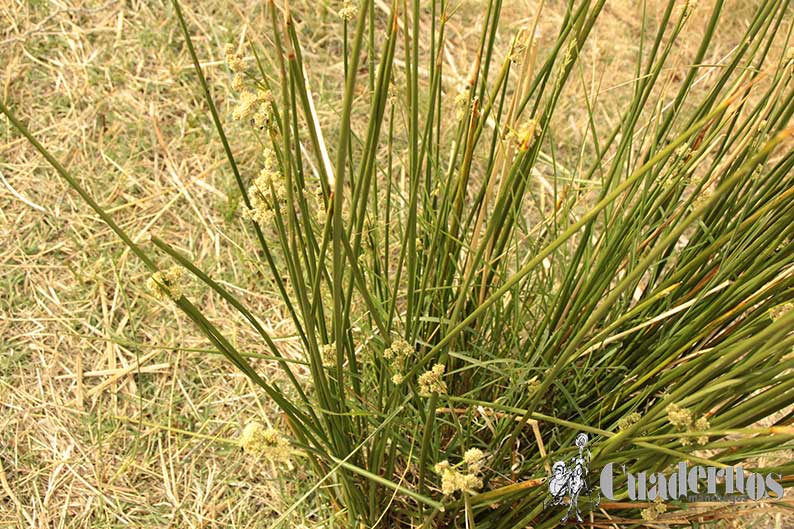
653,254
242,309
338,193
523,414
208,96
232,163
388,484
584,220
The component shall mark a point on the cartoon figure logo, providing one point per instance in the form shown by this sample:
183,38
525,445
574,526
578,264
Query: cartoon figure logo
570,481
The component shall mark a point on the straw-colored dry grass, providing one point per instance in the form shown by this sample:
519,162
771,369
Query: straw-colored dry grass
85,352
99,387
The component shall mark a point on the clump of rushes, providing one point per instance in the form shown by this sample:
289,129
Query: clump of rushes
628,270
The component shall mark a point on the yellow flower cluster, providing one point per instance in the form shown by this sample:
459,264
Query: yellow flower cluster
686,7
236,64
627,420
348,11
683,151
234,60
328,354
453,480
254,106
654,509
474,459
781,310
682,419
432,382
397,354
700,425
520,45
265,442
166,284
533,386
267,189
570,51
238,82
678,416
526,134
567,59
462,102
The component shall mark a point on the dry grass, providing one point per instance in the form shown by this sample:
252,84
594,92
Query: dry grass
109,415
86,352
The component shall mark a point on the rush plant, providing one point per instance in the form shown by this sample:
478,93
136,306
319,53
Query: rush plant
468,302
